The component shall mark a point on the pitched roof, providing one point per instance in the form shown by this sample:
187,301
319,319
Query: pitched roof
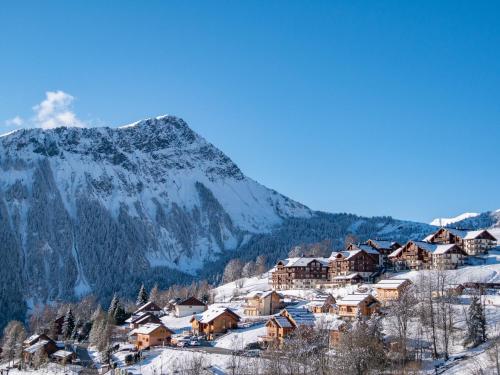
391,283
302,261
34,348
190,301
434,248
259,294
148,306
383,244
396,252
282,321
149,328
354,299
62,354
347,277
212,313
300,316
348,254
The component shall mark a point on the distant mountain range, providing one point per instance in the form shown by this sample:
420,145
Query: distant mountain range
100,210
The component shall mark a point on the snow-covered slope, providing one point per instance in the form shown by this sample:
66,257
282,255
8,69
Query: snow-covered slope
444,221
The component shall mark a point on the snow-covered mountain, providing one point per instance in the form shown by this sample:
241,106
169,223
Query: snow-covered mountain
102,210
444,221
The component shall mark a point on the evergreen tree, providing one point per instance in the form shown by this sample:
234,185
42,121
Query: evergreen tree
142,297
120,315
113,305
476,324
68,325
154,294
76,331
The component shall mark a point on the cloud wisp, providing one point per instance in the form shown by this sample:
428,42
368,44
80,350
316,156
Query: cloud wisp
54,111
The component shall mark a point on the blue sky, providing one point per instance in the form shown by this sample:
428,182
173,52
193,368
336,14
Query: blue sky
375,108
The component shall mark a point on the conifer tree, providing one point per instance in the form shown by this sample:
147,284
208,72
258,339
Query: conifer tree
120,315
476,324
154,294
113,305
142,297
68,324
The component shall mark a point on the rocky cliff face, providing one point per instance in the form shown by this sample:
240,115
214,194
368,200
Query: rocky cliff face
94,209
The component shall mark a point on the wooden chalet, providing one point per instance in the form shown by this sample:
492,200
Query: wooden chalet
262,303
135,321
321,303
391,289
152,334
384,247
353,304
336,331
41,343
64,356
300,273
473,242
214,321
282,325
343,280
420,255
347,262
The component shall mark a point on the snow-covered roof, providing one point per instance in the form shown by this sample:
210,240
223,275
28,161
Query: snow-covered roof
369,249
31,338
396,252
135,317
353,299
434,248
259,294
391,283
62,354
212,313
34,348
303,261
346,277
383,244
348,254
148,306
148,328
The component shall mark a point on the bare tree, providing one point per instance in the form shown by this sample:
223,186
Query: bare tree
233,270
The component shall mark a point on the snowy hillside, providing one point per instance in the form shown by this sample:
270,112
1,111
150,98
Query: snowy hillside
444,221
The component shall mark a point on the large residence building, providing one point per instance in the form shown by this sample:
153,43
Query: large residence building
300,273
344,263
473,242
420,255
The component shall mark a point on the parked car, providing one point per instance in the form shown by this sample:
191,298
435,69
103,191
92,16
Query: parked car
252,353
194,343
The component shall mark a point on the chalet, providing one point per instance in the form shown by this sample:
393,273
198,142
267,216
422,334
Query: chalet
353,304
473,242
374,253
384,247
343,280
321,303
149,307
135,321
300,273
289,319
262,303
391,289
33,339
47,346
214,321
344,263
152,334
419,255
336,331
189,306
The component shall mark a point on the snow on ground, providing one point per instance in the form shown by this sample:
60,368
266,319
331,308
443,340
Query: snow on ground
484,271
160,360
238,339
178,325
444,221
243,286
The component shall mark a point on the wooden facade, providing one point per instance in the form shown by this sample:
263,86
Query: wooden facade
151,335
214,322
474,242
353,304
391,289
262,303
300,273
345,263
